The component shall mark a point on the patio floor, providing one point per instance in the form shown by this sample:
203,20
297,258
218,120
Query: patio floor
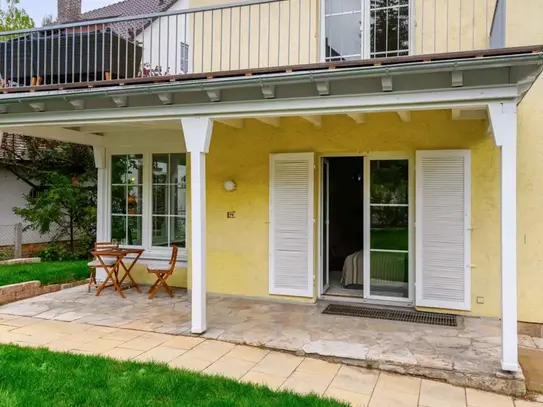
468,355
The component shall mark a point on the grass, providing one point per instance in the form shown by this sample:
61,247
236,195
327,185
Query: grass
41,378
54,272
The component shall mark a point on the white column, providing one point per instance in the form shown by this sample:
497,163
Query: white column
197,134
101,187
503,117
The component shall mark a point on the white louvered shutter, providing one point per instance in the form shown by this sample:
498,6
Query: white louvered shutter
291,224
443,179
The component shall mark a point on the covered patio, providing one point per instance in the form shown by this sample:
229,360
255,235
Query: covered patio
468,355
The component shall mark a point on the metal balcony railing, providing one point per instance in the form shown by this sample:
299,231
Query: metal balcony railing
249,35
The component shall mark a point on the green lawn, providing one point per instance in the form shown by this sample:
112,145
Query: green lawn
47,272
41,378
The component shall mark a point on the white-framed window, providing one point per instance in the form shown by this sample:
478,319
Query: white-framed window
147,205
126,191
169,196
358,29
184,57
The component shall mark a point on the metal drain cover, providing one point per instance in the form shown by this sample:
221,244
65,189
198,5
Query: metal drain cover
419,317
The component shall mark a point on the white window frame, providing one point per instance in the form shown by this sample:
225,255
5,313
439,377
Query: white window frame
168,216
410,157
151,252
365,29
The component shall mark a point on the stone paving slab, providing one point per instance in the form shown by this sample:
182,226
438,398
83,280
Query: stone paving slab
468,355
356,386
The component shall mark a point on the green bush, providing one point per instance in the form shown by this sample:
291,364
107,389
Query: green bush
59,252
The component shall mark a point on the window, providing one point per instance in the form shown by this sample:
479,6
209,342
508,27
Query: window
148,200
356,29
169,200
127,199
184,57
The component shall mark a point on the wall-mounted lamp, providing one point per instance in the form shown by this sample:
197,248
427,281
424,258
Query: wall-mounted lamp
230,186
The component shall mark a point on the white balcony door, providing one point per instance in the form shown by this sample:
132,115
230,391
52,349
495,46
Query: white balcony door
361,29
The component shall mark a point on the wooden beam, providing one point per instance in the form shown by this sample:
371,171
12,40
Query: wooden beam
214,95
165,98
468,114
38,107
357,117
59,134
120,101
386,83
271,121
457,79
314,120
235,123
78,104
323,88
268,91
405,115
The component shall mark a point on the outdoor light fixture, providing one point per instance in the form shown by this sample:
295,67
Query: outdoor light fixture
230,186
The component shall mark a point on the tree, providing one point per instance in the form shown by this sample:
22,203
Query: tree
14,18
47,20
63,196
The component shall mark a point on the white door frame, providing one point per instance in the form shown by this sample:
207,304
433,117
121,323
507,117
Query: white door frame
411,196
325,175
367,222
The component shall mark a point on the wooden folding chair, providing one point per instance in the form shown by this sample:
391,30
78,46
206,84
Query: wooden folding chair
108,261
162,272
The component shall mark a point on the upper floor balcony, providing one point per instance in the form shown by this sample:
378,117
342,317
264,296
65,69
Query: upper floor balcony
246,38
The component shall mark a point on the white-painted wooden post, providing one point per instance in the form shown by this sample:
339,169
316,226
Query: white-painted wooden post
197,134
101,201
503,118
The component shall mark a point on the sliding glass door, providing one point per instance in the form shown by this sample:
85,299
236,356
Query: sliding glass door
387,228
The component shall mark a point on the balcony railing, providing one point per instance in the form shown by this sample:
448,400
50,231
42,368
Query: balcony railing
249,35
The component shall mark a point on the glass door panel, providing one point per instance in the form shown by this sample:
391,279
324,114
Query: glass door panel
389,228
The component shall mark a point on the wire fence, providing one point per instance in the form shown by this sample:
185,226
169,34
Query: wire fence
18,242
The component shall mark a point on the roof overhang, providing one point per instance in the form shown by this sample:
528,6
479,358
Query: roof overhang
456,80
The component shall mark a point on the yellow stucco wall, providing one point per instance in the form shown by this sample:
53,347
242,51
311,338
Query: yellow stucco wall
524,28
237,261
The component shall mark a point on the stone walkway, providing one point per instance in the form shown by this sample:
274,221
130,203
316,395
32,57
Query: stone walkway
357,386
468,355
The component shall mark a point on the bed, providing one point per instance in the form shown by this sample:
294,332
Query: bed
353,269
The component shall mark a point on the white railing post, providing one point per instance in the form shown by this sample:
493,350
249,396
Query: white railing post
197,134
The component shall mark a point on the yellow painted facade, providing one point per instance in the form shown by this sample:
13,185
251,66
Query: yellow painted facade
237,249
237,261
524,28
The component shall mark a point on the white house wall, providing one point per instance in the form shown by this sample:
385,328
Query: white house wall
162,40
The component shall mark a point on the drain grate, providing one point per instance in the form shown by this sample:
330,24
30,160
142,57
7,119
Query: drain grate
391,314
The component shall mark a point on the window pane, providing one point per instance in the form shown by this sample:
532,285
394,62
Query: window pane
160,168
389,228
179,200
160,200
389,274
343,40
178,168
118,229
135,200
160,231
389,181
118,169
118,200
177,231
389,29
133,234
135,169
